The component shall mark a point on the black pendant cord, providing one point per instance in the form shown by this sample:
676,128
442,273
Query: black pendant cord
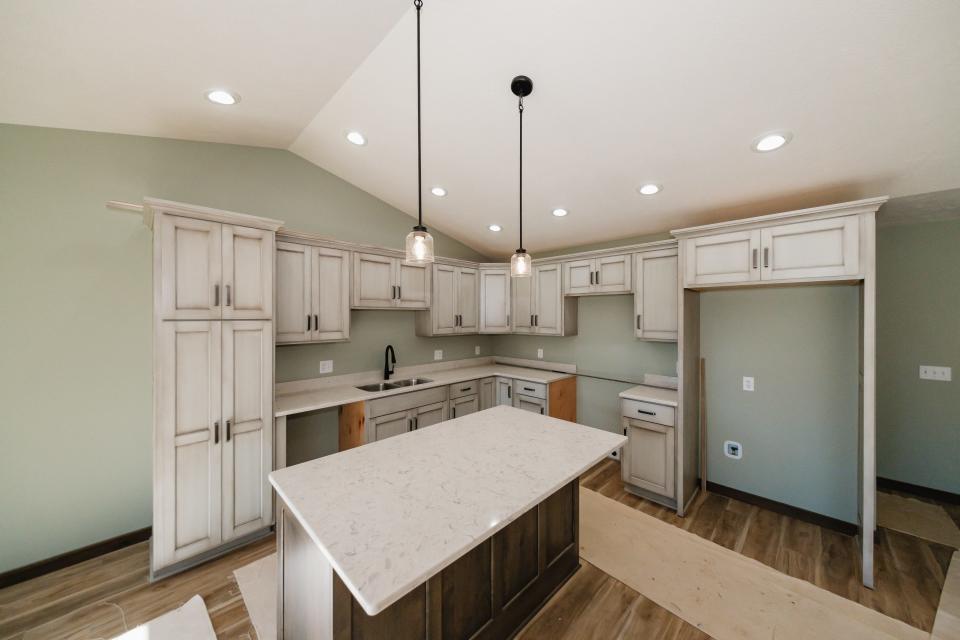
520,108
419,4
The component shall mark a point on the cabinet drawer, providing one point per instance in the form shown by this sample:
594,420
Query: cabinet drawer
661,414
525,388
405,401
463,389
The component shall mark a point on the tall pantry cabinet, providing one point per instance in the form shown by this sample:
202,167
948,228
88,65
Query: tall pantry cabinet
213,381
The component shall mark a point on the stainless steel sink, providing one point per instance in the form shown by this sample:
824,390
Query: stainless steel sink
409,382
379,386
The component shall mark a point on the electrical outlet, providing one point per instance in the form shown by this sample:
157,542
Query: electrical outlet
539,354
747,383
326,366
476,350
438,354
940,374
615,454
732,449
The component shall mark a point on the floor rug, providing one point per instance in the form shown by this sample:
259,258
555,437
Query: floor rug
189,621
920,519
258,586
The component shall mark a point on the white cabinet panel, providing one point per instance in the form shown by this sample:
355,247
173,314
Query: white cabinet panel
533,405
723,258
648,457
468,296
494,300
579,276
430,414
247,273
445,300
814,249
613,274
523,304
548,310
373,281
655,298
504,391
464,405
248,425
488,393
330,294
413,282
190,270
294,313
390,425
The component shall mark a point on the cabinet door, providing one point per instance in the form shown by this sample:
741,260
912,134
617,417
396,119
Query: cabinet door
330,302
723,258
247,273
187,451
413,285
505,392
613,274
190,268
392,424
248,425
547,313
815,249
488,393
464,405
468,298
655,299
495,301
373,281
578,276
649,456
431,414
528,403
294,314
444,308
522,296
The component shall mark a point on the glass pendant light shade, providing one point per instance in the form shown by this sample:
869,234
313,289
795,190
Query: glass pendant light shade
521,264
419,246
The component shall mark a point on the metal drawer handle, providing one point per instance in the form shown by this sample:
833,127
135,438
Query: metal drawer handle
453,411
647,413
598,277
228,294
308,322
316,322
754,258
399,292
528,389
541,410
228,431
216,432
591,277
216,295
639,328
766,257
466,388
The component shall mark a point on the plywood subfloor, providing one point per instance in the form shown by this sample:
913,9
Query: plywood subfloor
918,518
189,621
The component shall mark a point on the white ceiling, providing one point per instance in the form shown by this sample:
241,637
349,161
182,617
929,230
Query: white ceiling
624,92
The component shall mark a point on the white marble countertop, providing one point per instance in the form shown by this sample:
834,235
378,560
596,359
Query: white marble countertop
391,514
656,395
331,396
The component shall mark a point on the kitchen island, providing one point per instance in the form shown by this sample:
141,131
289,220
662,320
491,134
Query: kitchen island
459,530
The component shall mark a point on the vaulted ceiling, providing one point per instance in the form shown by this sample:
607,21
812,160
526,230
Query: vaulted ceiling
624,93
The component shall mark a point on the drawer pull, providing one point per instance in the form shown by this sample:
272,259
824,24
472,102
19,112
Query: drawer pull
647,413
529,389
466,388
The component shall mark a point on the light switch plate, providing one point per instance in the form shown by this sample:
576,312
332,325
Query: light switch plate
539,354
438,354
940,374
476,350
326,366
747,383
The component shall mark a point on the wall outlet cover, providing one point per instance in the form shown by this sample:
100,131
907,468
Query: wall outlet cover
326,366
748,383
940,374
539,354
732,449
476,350
438,354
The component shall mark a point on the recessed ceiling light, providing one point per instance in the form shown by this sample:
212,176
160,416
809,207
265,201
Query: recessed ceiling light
560,212
771,141
220,96
356,138
438,191
495,227
649,189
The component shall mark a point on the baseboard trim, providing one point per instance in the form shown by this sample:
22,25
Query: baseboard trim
918,490
69,558
847,528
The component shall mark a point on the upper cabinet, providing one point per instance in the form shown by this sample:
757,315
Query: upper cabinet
823,243
604,274
655,295
495,299
455,302
313,284
385,282
539,305
209,270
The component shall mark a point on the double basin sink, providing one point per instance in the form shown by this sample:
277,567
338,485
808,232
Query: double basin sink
396,384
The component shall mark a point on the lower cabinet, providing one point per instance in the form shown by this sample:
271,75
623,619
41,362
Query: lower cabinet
530,396
504,391
534,405
648,457
488,393
464,405
393,424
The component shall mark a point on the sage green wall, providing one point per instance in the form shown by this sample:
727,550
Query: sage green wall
605,345
75,383
918,322
799,427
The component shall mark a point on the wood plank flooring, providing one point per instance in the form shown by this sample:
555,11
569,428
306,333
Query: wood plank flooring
103,597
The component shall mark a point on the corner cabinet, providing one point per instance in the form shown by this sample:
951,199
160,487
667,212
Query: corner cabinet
603,274
388,282
495,299
655,295
455,302
539,305
213,381
313,294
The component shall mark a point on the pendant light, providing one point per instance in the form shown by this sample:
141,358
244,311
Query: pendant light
521,264
419,243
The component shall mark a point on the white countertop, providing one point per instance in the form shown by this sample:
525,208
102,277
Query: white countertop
656,395
391,514
332,396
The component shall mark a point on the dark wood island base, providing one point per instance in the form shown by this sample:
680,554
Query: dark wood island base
489,592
